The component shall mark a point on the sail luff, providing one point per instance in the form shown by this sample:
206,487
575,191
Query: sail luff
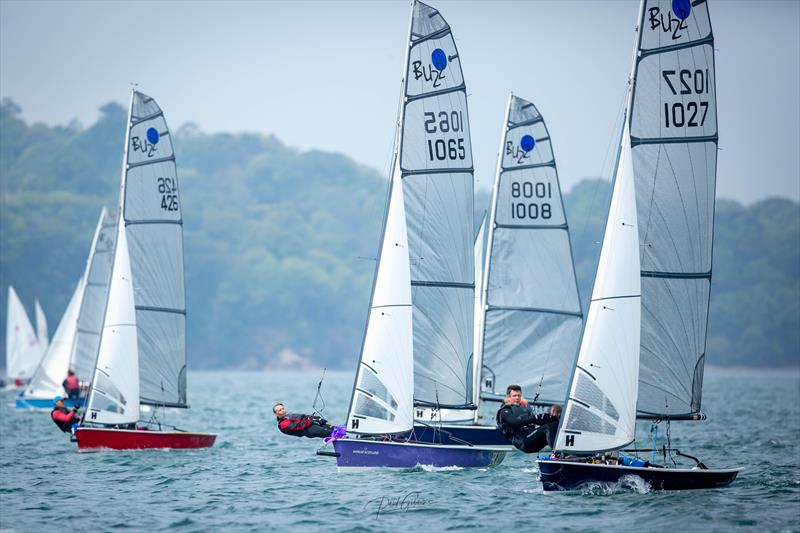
389,385
113,396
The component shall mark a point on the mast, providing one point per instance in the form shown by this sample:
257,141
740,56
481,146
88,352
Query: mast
600,409
376,395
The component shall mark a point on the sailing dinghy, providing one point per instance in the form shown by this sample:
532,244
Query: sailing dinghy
23,347
141,357
528,316
74,345
643,345
416,353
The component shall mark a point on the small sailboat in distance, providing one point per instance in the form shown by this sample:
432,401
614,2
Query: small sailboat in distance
74,345
643,345
141,358
23,349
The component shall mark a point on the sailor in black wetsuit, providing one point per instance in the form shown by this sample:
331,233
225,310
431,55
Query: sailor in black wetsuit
301,425
519,424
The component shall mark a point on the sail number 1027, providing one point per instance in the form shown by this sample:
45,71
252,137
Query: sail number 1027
685,81
526,191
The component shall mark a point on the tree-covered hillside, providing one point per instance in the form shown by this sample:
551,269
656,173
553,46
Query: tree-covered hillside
280,244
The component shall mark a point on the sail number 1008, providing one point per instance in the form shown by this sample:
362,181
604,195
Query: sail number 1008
526,209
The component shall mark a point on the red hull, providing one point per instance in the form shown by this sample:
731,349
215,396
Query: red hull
128,439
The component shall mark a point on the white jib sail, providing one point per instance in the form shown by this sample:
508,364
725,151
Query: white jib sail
114,396
382,400
480,255
601,408
41,327
47,379
23,351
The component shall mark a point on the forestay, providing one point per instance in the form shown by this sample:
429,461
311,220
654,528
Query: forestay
382,396
601,408
436,166
674,146
114,394
531,316
52,370
97,276
152,218
23,351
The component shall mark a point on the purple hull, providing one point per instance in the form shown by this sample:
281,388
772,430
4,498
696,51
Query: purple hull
363,454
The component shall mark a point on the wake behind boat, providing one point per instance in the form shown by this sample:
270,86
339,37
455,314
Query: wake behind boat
141,358
643,346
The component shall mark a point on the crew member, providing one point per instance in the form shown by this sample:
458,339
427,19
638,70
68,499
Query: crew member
72,386
62,417
301,425
519,424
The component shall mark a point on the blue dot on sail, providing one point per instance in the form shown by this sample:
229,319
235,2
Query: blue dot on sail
681,8
439,59
152,135
527,143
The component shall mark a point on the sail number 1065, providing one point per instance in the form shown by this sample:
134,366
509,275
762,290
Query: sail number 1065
445,122
526,209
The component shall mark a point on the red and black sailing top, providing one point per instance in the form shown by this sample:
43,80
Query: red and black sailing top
294,424
63,418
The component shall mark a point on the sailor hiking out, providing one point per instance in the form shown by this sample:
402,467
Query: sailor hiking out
300,425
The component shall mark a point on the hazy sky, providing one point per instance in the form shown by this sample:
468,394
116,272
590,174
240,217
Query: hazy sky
327,74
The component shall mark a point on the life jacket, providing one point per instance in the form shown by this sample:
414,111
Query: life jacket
294,424
507,430
72,383
63,419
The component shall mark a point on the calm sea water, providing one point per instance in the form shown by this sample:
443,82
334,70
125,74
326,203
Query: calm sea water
256,479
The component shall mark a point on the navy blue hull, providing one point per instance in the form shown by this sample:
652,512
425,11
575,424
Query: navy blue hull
450,435
360,454
568,475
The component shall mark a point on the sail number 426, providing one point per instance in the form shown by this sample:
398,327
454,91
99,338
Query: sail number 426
683,82
445,122
532,210
168,189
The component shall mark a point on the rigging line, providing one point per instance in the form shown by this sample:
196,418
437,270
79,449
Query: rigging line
319,395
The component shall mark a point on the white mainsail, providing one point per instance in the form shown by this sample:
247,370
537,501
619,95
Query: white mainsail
142,351
436,164
426,256
674,145
667,168
530,315
97,275
23,351
41,327
46,381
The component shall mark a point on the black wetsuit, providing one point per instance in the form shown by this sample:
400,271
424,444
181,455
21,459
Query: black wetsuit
518,424
304,426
